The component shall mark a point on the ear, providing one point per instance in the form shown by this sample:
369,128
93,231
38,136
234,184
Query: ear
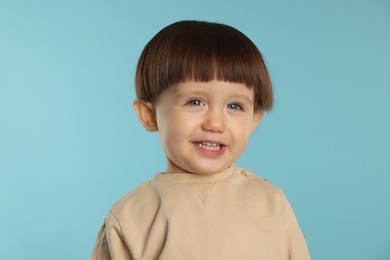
257,115
146,114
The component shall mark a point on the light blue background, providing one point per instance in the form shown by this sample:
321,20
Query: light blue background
70,144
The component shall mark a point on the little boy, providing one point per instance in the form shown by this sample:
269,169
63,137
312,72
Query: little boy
203,87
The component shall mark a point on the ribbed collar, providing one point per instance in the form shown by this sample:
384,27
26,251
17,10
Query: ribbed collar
195,178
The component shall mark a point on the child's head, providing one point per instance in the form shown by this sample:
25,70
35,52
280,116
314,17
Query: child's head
203,87
202,51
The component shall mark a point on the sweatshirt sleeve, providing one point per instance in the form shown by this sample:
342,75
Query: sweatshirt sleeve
295,244
110,244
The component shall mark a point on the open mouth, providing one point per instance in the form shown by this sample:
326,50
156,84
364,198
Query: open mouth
210,146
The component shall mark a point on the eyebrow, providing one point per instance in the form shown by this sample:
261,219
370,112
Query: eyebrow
190,92
244,98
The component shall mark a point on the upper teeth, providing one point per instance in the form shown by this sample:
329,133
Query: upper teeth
210,146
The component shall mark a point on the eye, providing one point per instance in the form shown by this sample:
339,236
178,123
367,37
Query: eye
235,106
195,102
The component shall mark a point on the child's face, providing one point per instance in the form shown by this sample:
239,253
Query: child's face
204,127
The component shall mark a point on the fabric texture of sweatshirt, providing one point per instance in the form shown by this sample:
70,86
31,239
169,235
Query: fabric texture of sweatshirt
232,214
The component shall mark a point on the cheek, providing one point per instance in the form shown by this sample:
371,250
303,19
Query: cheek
242,132
172,127
242,126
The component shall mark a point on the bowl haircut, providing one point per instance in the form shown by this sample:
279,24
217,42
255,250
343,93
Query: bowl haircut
202,51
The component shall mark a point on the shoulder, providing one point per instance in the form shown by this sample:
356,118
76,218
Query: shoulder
135,201
252,180
258,189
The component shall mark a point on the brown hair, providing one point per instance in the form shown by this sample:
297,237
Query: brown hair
202,51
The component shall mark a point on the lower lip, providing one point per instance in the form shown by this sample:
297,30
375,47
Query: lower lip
212,153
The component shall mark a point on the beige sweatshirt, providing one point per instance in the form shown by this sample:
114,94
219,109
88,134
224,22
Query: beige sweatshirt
228,215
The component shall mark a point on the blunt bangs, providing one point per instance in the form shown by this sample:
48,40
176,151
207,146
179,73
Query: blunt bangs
202,51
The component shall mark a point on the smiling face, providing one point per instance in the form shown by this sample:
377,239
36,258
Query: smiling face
204,127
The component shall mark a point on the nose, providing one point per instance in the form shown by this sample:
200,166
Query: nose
214,121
